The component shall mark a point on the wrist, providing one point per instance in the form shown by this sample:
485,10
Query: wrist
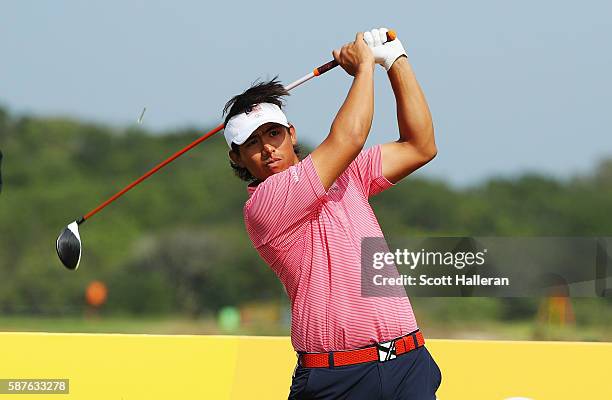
365,68
399,62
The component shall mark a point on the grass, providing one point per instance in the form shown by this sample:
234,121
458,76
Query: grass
518,330
485,330
97,324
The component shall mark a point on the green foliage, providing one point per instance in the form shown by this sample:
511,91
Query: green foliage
177,244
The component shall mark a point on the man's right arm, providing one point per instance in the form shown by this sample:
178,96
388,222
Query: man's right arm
351,126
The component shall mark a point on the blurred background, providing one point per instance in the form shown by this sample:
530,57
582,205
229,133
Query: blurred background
519,93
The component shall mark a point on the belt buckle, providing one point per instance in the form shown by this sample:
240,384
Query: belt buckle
386,351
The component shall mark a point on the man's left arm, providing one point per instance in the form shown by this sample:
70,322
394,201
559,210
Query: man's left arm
416,145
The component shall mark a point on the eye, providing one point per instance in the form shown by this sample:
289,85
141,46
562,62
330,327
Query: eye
273,132
251,142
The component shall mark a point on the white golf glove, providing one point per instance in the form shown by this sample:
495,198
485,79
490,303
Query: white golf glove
384,54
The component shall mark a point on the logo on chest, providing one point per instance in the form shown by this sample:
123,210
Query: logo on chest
294,174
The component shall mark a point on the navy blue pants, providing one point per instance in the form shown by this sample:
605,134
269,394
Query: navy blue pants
411,376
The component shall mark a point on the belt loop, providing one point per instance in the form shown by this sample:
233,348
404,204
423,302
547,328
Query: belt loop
416,341
330,358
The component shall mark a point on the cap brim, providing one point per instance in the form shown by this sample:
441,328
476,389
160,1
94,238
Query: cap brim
240,140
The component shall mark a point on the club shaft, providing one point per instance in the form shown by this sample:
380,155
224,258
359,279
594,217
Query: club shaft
189,147
299,81
151,172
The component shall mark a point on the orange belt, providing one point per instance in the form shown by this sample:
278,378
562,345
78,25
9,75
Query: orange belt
378,352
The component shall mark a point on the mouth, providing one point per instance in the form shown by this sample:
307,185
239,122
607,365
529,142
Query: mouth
272,162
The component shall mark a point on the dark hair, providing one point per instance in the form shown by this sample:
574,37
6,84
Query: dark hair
259,92
271,91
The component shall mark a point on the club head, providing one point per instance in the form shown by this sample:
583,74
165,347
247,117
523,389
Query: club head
68,246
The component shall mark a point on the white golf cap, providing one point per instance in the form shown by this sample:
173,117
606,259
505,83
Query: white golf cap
241,126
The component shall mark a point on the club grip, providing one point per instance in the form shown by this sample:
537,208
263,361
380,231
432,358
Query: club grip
325,67
391,35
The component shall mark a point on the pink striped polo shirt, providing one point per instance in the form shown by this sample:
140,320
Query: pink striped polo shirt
312,239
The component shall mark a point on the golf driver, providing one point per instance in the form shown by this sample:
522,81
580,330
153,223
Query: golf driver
68,244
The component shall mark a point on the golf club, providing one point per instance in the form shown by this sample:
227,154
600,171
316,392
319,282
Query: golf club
68,244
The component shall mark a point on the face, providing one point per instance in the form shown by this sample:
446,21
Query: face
267,151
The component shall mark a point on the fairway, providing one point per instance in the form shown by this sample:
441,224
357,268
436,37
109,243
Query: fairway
488,330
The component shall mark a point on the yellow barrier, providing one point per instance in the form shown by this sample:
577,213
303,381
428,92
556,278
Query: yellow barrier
153,367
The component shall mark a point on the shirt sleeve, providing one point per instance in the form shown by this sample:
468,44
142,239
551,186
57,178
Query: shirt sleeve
282,203
367,170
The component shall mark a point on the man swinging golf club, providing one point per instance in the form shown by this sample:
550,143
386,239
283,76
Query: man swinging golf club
307,218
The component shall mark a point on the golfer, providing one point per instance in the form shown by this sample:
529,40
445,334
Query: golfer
306,218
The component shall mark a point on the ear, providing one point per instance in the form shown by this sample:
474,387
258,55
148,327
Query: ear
292,134
235,157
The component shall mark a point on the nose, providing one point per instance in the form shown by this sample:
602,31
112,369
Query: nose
268,149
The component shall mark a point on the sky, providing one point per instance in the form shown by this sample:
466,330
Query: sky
513,86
